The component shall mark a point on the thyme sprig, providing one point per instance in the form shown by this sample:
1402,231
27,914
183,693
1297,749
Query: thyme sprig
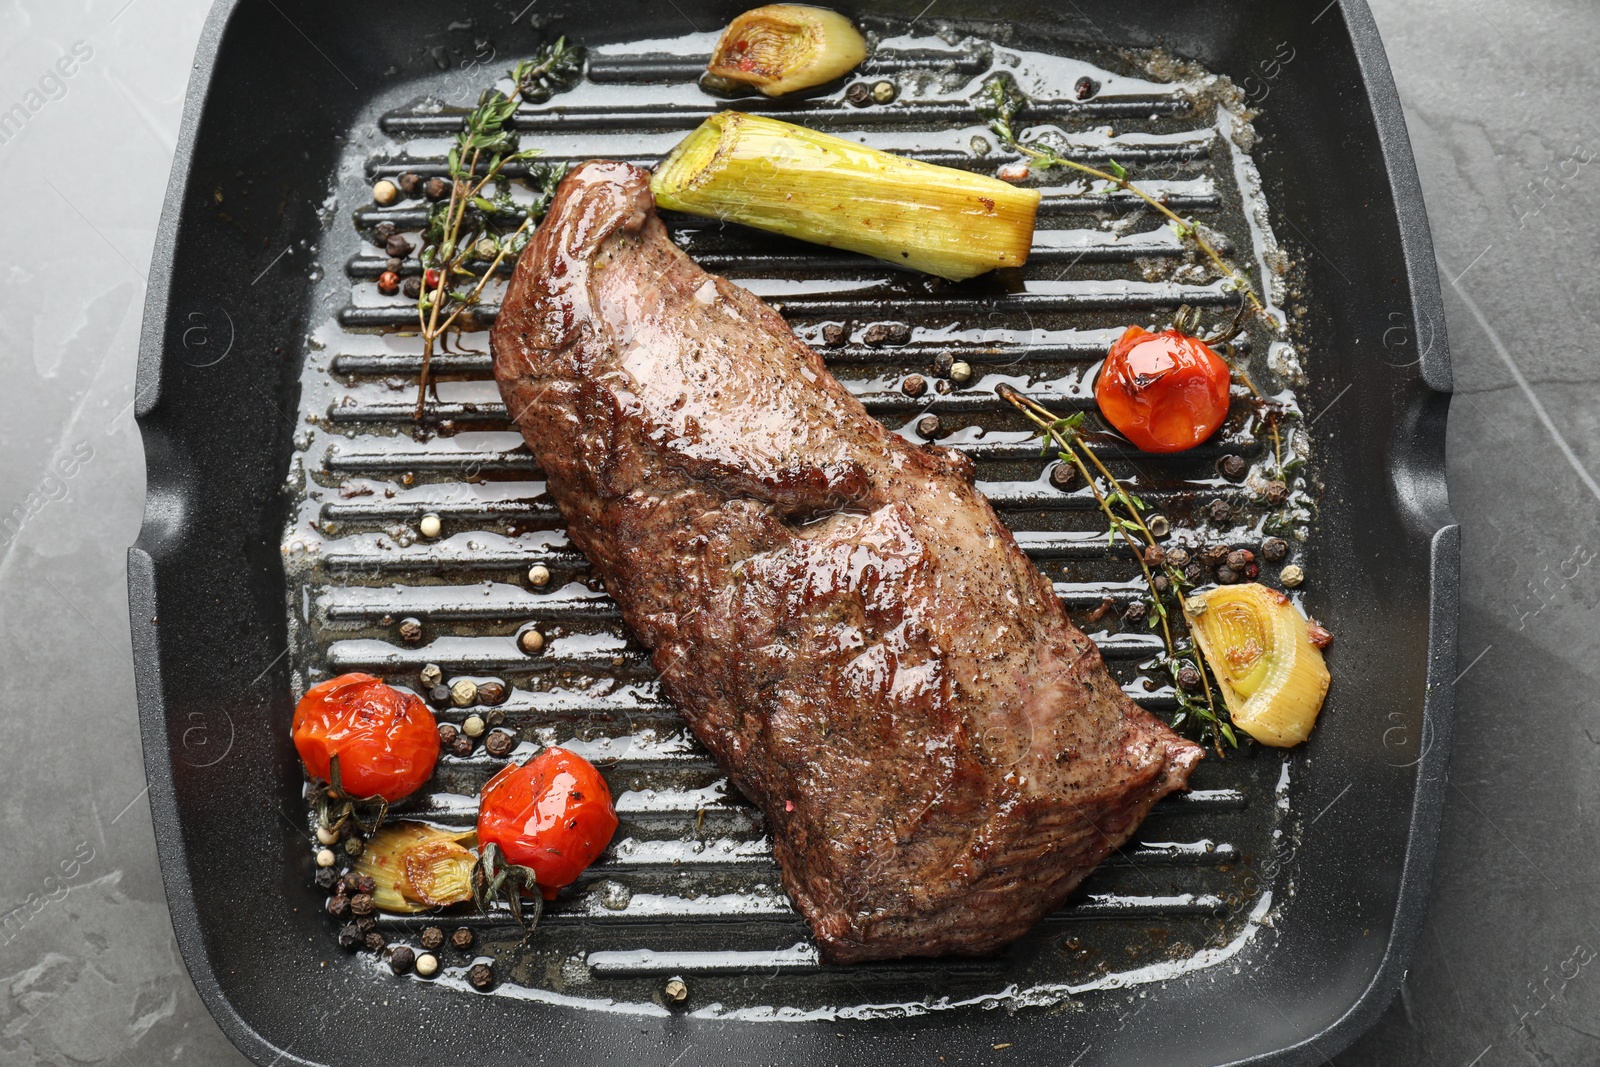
1124,513
470,235
1003,101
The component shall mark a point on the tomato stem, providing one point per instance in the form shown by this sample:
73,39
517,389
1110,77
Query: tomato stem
494,878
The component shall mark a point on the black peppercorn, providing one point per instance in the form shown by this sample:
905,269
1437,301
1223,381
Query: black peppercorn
367,884
1189,679
397,246
914,385
411,288
942,363
461,938
859,94
1085,87
393,264
928,426
375,941
401,958
366,924
461,746
1178,557
834,335
338,905
1219,511
382,232
1241,558
348,884
361,904
1227,575
447,734
1274,550
491,693
481,976
440,695
1233,468
1135,613
432,938
499,744
409,182
886,333
494,716
1215,555
1275,493
1160,583
1062,475
1155,555
1194,572
411,631
326,876
436,188
349,936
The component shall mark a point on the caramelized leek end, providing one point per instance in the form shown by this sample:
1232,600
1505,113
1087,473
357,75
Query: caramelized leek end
1259,648
417,867
800,183
783,47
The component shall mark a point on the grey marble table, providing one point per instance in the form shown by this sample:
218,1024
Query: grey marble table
1503,102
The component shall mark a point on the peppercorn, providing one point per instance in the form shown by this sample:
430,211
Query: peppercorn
1219,511
928,426
464,693
473,726
1160,583
539,574
914,385
943,362
494,716
349,936
461,938
338,905
411,288
531,641
1135,613
886,333
884,92
427,965
388,283
486,249
1274,550
410,183
676,990
1194,573
1158,525
1155,555
401,959
1275,493
1085,87
366,924
1189,679
394,263
1178,557
397,246
1227,575
1291,576
430,526
480,976
1241,558
411,631
499,744
325,877
430,675
1215,555
859,94
436,189
1250,571
439,695
365,883
1233,468
347,884
382,232
834,335
375,941
1062,474
432,937
325,857
960,372
361,904
491,693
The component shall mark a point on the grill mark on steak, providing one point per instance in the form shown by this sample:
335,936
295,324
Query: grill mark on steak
839,614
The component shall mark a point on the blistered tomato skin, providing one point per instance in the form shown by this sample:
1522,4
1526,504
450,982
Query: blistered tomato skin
387,741
553,814
1165,392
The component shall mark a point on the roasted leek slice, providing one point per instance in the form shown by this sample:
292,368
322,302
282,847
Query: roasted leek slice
794,181
417,867
784,47
1260,649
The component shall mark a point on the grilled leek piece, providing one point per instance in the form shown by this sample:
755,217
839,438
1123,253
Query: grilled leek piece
1260,648
417,867
784,47
794,181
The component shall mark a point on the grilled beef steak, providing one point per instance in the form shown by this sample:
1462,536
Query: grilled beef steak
846,625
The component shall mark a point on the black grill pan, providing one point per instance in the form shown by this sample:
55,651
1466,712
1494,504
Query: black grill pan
266,406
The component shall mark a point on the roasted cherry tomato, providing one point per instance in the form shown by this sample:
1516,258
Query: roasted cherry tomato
386,740
553,814
1164,391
